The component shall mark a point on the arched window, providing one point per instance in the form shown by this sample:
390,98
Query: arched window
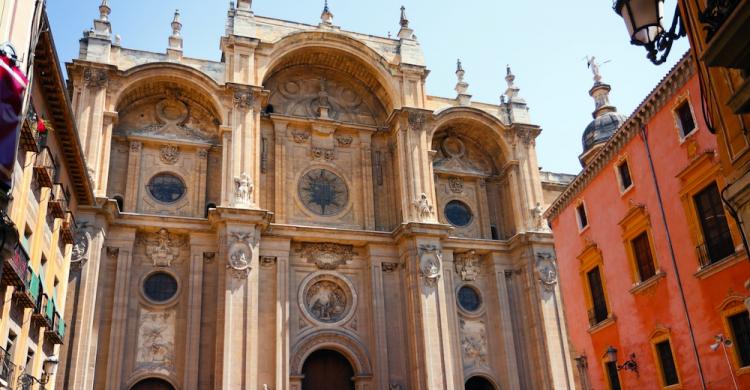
152,384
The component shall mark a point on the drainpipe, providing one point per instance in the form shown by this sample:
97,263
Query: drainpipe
644,137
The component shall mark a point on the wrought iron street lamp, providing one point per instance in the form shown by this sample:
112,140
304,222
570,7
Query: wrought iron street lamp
643,19
630,364
49,368
725,343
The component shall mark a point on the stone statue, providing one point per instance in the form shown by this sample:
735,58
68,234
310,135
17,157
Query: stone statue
538,215
424,208
243,190
594,66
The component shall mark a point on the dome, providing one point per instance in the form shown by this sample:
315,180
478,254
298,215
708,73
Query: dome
601,129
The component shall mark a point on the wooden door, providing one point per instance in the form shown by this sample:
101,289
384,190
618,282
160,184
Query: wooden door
327,370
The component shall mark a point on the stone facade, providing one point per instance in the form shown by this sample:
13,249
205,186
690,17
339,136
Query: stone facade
298,196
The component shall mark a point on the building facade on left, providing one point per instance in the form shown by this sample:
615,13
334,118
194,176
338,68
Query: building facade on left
44,185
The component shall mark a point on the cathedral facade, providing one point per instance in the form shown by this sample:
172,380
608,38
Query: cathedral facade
302,215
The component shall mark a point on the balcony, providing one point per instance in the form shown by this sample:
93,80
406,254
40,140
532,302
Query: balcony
43,312
712,254
56,332
15,268
727,25
7,369
28,296
69,228
31,139
45,168
59,201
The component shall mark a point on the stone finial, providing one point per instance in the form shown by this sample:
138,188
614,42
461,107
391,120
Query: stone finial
404,20
462,86
327,16
118,40
245,5
405,32
104,11
175,40
510,78
516,108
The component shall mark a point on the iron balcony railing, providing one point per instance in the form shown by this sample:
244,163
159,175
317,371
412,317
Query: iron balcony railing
597,316
31,139
7,368
15,268
58,201
45,168
69,228
28,296
715,14
56,332
707,256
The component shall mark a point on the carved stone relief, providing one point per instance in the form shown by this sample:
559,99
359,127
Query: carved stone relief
547,269
300,137
162,248
317,93
243,99
156,335
344,141
467,265
240,254
456,184
430,260
169,154
81,244
95,78
417,121
327,298
473,343
456,155
326,256
243,191
267,261
389,267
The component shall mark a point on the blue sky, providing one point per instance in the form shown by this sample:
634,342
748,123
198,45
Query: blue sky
545,43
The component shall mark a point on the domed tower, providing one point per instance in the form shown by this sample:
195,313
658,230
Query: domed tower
606,118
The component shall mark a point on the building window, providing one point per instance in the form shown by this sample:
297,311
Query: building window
160,287
717,238
323,192
612,377
666,363
623,174
458,213
166,187
469,299
643,257
685,119
598,311
739,324
583,220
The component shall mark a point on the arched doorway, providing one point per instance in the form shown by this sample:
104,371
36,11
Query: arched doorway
327,370
152,384
478,383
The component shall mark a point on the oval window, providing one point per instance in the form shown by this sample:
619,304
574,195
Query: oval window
458,213
160,287
166,187
469,299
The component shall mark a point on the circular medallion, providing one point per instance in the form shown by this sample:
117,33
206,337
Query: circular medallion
160,287
469,299
166,187
453,147
323,192
327,298
80,247
458,213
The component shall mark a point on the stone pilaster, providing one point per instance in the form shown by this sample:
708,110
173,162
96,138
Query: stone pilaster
134,176
280,131
415,180
368,199
510,377
198,253
102,166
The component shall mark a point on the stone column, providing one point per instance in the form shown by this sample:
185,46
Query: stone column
280,129
227,184
368,208
195,309
511,379
78,356
134,176
245,156
416,172
123,255
431,340
102,166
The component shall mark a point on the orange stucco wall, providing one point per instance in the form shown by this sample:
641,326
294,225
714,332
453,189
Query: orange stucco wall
640,314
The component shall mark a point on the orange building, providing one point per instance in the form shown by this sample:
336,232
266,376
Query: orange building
651,265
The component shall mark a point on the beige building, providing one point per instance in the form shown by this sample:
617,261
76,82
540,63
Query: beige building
49,185
301,215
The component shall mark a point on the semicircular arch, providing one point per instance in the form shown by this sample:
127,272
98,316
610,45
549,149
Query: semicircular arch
351,348
328,47
474,118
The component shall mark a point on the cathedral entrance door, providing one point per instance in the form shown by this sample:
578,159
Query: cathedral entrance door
327,370
152,384
479,383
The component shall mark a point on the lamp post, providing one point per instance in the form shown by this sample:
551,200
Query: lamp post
725,343
630,364
49,368
643,19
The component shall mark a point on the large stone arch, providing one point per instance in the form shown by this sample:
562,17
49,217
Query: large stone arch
476,118
141,375
336,340
184,75
369,63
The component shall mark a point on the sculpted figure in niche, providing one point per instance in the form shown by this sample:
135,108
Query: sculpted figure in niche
243,190
326,301
424,208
